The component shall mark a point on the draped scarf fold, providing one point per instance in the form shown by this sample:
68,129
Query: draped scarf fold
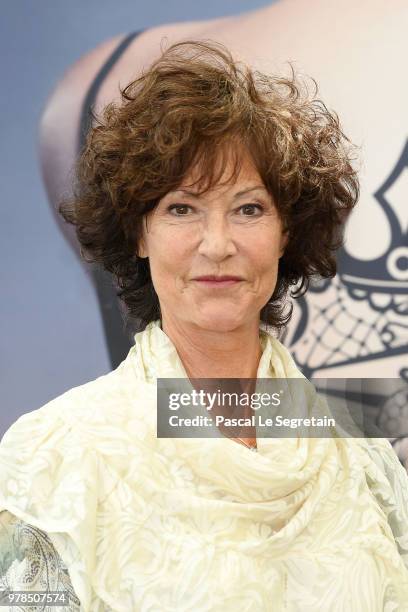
146,523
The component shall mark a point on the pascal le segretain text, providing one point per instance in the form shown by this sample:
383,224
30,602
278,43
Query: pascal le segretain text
252,421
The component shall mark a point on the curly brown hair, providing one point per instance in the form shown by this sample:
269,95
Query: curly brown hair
181,113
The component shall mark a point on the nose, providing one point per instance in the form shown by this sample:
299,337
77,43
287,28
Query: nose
216,241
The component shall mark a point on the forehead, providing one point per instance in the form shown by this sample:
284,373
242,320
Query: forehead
232,169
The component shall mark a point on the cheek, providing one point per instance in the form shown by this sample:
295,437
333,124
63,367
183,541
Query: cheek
168,259
265,254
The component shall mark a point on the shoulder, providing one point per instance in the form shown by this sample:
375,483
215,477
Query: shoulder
61,115
384,467
57,466
65,438
69,413
69,93
388,483
61,436
50,457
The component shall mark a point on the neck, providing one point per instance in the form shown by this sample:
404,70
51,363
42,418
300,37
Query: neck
216,354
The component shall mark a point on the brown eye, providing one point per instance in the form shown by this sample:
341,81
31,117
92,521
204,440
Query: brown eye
179,207
251,208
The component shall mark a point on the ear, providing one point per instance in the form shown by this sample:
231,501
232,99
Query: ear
283,242
142,249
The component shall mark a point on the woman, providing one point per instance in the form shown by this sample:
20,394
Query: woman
367,297
207,194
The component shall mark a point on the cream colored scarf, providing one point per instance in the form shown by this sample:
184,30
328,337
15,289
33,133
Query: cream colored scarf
149,524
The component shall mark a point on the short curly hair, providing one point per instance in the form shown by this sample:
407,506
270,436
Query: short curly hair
181,113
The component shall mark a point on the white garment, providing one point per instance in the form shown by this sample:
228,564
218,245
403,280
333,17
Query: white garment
150,524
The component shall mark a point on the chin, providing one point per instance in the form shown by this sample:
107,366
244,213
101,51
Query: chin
220,321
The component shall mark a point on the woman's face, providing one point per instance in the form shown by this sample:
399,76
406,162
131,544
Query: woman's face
232,230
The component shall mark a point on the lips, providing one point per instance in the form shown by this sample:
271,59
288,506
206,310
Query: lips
218,279
218,282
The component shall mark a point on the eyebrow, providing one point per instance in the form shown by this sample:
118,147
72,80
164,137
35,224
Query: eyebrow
237,195
245,191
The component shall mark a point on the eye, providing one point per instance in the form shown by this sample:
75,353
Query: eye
179,207
251,208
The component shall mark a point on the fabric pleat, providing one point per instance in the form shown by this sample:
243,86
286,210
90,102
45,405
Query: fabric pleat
146,524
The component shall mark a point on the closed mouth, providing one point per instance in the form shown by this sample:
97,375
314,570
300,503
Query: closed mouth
218,279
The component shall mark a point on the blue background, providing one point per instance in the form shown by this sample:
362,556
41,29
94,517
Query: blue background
51,333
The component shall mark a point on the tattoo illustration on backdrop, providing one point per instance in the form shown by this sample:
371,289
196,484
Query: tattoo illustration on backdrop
357,321
118,339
